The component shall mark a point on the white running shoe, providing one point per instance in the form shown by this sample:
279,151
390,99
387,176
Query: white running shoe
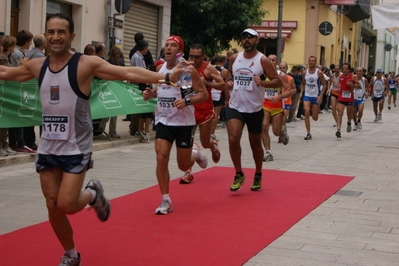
380,116
359,125
355,127
165,207
200,157
376,119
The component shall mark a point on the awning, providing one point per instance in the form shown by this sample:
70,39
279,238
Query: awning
272,33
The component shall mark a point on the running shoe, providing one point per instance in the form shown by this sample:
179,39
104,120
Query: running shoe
257,184
68,261
355,127
268,157
100,204
215,152
349,128
394,104
200,157
308,137
164,208
376,119
380,116
280,140
213,136
285,138
389,107
359,125
239,180
338,134
187,178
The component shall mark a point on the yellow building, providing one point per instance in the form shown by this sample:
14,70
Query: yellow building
311,27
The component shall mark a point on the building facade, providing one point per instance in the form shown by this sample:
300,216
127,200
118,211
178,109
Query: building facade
95,20
333,33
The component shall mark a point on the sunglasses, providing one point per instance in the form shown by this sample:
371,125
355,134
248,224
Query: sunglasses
191,56
247,36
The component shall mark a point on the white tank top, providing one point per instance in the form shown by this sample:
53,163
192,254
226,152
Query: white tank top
246,96
378,87
165,111
217,94
66,115
311,84
358,93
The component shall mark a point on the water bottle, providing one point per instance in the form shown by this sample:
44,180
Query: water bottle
185,77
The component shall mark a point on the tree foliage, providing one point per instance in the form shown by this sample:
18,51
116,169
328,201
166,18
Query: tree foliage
213,23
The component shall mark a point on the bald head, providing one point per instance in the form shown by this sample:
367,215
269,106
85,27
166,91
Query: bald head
39,41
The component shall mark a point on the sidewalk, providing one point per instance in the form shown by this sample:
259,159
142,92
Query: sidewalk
359,225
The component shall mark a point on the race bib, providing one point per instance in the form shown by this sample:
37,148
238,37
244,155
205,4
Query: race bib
270,93
346,94
243,83
55,127
166,104
311,91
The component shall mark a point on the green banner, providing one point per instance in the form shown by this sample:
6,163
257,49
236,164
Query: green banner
20,101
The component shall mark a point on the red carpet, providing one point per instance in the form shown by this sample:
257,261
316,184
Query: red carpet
209,226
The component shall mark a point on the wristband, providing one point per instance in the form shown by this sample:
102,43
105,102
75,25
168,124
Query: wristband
187,101
167,79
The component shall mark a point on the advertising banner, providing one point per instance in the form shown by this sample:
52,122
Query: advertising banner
20,101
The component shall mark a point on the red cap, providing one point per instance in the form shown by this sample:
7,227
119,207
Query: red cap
178,40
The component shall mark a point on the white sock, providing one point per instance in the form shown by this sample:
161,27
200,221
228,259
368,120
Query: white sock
72,253
269,151
93,194
165,197
195,152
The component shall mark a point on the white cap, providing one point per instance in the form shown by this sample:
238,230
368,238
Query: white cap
250,31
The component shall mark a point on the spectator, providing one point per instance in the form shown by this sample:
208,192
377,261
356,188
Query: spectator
35,52
149,64
115,57
145,118
295,74
101,49
8,45
18,57
149,61
89,50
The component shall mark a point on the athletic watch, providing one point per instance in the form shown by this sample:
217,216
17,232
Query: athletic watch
207,84
187,101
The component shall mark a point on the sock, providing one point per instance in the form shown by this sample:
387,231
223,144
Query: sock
240,173
72,253
358,120
166,197
258,174
269,152
196,153
93,194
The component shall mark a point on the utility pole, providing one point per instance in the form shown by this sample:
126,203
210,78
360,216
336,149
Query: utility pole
279,30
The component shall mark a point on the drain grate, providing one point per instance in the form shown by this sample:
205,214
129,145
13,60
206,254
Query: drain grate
348,193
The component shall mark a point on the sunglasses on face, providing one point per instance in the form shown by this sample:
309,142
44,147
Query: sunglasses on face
191,56
247,36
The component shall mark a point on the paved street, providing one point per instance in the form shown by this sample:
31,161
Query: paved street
357,226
